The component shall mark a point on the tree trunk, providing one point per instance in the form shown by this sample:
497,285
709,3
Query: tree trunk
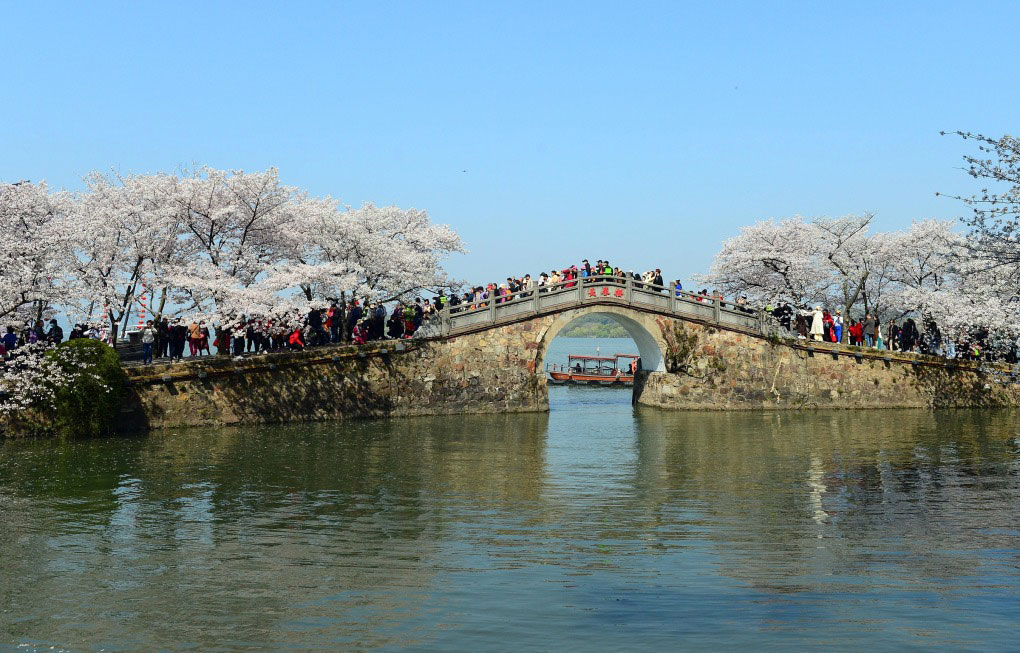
124,324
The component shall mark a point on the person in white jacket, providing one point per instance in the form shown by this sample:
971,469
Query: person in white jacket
816,324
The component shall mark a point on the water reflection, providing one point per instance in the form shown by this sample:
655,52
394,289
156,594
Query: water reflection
911,492
596,525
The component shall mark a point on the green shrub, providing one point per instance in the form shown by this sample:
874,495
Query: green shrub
89,405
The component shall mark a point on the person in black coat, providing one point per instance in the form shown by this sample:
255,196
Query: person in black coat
178,336
395,325
908,335
55,335
315,322
353,317
163,338
419,313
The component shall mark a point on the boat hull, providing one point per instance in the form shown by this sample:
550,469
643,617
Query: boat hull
572,378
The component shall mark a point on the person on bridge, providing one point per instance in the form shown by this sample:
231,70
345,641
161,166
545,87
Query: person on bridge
569,275
817,324
395,325
801,325
827,335
353,317
857,333
148,341
333,320
295,340
178,336
378,321
315,321
194,335
869,329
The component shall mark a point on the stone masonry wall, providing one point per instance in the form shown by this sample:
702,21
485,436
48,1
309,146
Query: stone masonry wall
487,372
500,370
735,371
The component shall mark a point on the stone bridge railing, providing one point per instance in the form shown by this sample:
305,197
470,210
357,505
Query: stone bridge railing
611,291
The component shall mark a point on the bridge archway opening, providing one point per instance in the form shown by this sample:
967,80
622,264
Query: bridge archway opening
640,327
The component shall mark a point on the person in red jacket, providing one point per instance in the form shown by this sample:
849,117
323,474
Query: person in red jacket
856,333
295,339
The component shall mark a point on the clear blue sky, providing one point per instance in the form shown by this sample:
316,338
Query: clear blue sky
645,132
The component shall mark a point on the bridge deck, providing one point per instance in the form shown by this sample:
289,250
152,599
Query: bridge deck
553,298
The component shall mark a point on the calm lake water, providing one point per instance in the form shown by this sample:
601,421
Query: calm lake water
596,526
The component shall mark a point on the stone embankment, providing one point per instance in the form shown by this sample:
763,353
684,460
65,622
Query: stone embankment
730,370
487,372
495,370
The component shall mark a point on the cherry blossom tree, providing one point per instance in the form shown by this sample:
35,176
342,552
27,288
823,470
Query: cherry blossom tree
822,260
987,295
847,257
382,252
221,243
213,243
995,211
928,256
126,238
232,226
768,261
33,268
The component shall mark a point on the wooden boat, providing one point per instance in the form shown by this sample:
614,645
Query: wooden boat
595,370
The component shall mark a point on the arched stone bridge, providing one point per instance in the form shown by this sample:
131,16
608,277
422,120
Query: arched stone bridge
696,354
635,305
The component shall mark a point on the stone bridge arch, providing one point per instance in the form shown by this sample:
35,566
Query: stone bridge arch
641,327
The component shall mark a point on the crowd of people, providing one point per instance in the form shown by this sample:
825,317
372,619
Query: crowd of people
354,322
566,277
34,333
820,324
358,322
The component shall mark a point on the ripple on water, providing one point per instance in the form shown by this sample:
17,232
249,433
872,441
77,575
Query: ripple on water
597,525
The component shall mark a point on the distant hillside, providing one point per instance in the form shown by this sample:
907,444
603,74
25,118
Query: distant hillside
594,326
